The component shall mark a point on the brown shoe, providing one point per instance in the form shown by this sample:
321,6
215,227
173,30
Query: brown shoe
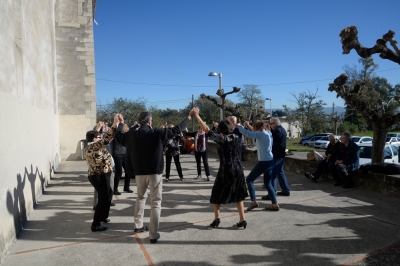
272,208
253,206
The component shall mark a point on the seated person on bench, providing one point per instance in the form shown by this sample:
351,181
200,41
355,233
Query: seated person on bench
347,161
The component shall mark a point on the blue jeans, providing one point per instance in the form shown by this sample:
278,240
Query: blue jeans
260,168
278,172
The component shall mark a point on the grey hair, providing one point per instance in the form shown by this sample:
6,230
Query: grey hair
276,121
234,119
346,135
144,118
332,136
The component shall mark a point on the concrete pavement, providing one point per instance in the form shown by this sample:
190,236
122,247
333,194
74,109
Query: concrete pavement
319,224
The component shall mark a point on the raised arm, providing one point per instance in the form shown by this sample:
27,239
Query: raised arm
200,121
232,121
247,124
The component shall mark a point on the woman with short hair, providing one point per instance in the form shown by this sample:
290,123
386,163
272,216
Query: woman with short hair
265,162
100,165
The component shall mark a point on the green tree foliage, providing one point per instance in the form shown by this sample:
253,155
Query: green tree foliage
348,127
130,109
366,76
356,75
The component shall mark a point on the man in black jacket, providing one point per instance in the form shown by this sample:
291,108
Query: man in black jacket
347,161
331,153
146,148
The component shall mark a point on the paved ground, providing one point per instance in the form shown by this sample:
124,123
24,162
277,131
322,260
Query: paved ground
319,224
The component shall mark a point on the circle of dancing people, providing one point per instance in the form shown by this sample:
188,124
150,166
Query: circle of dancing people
143,158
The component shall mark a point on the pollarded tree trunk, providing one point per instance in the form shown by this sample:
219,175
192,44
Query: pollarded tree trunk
379,141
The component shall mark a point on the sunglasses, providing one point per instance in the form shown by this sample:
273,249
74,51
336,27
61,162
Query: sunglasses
98,137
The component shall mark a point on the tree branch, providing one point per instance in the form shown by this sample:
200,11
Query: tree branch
349,40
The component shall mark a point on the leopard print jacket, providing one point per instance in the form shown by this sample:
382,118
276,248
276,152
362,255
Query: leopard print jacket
97,157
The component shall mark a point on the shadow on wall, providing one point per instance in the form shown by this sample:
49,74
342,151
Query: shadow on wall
16,204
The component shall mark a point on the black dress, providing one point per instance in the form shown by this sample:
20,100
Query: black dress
230,183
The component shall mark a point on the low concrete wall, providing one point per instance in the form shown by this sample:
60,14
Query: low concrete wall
297,163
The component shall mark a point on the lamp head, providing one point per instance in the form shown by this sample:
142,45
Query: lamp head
212,74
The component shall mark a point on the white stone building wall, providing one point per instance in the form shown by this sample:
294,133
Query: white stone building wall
47,99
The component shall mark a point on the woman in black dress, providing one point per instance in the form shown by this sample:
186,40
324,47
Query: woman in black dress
230,183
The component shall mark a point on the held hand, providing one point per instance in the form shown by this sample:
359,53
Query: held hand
121,118
195,111
116,120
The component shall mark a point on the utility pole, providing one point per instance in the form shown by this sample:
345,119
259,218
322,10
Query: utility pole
192,117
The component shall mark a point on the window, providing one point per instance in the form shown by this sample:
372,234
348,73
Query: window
387,152
395,150
365,152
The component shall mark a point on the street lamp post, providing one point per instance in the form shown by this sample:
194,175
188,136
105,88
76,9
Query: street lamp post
212,74
270,108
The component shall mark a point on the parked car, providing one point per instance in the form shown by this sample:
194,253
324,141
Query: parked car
322,143
393,134
393,141
310,142
305,138
358,140
391,153
308,137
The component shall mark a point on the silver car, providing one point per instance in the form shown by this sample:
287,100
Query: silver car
358,140
322,143
310,142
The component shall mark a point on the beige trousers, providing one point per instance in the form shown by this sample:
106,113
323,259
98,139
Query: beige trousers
143,182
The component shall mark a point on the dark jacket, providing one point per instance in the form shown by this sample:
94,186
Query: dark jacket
332,149
279,142
145,146
117,149
350,155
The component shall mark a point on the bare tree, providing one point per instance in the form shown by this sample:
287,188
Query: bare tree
374,107
253,101
309,111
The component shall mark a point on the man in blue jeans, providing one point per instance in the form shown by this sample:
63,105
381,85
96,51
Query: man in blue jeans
278,151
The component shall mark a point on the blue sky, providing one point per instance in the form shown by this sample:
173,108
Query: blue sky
162,51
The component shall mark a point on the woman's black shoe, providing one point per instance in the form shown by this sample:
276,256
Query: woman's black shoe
98,228
242,224
116,192
215,223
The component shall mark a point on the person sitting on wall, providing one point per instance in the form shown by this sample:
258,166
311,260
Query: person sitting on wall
100,166
331,154
347,161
